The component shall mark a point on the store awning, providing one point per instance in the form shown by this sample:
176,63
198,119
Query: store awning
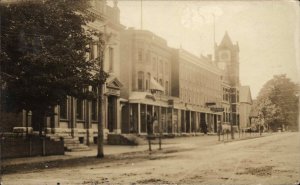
141,96
155,86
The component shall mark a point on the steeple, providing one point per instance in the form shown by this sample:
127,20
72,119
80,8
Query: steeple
226,41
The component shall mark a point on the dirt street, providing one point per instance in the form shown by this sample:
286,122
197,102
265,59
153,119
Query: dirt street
273,159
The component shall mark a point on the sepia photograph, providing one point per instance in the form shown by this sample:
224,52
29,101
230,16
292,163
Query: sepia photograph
149,92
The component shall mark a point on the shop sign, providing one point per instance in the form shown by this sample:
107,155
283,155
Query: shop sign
217,109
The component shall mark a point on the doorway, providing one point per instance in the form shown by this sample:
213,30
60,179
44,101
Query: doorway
111,113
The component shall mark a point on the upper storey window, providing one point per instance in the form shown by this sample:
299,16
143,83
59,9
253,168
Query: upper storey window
140,81
140,55
111,59
161,66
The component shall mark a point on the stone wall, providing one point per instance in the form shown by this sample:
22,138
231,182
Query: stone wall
14,146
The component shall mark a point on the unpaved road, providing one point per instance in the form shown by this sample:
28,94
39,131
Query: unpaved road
270,160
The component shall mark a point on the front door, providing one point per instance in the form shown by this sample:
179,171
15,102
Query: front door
111,113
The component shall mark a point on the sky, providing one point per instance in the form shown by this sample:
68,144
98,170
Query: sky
267,31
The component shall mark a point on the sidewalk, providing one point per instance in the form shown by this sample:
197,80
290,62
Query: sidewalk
115,150
109,150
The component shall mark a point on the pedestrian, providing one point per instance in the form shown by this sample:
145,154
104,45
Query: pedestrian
219,130
149,124
155,123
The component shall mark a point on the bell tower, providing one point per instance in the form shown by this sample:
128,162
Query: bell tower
227,58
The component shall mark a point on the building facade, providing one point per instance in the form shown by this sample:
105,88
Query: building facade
146,75
196,82
79,118
170,85
148,80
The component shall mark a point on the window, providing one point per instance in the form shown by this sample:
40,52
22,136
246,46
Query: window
140,55
140,80
94,106
94,110
79,109
111,59
148,81
161,67
63,109
167,88
166,68
154,64
148,57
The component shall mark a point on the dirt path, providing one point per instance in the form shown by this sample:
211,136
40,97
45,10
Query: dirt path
269,160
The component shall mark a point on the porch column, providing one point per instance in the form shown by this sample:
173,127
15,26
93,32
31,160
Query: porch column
54,120
118,116
104,112
184,122
190,121
172,121
196,121
88,121
139,118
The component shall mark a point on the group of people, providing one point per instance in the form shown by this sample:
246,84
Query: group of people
152,123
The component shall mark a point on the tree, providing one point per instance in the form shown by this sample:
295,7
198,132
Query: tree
277,103
43,55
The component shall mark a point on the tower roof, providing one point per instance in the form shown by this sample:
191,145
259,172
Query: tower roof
226,41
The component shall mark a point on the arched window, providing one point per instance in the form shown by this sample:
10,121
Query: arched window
140,80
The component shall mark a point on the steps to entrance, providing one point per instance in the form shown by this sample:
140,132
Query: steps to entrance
71,144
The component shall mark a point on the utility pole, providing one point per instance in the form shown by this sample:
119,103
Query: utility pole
101,56
141,14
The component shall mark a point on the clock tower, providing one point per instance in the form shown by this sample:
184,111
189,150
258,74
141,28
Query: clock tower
227,59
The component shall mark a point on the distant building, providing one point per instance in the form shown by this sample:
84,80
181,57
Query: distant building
197,83
245,107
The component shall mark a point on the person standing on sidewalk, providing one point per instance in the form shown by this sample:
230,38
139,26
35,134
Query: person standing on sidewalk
219,130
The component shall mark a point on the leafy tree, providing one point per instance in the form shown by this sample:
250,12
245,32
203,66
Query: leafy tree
277,103
43,54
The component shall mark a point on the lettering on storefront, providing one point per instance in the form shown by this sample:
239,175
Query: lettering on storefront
217,109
